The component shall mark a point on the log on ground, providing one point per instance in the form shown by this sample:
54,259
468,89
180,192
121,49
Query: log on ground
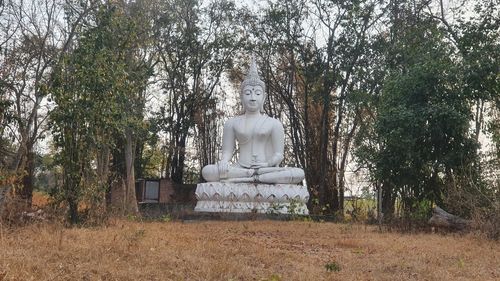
441,218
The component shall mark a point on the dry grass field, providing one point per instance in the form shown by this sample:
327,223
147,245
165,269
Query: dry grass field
241,250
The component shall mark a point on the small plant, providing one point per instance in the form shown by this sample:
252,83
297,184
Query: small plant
358,251
305,219
134,238
273,277
138,234
275,208
332,267
292,208
325,208
131,217
166,218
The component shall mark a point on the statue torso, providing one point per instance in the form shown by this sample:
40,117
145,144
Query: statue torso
254,139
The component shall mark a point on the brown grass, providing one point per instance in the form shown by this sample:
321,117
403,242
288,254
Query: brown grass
249,250
39,200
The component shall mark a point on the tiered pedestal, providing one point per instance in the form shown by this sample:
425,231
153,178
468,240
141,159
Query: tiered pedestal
220,197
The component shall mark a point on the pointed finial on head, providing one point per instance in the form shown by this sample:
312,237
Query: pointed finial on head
252,71
252,78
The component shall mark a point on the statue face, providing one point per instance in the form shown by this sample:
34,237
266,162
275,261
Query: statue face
252,98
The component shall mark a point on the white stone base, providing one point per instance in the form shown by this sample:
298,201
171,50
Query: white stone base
220,197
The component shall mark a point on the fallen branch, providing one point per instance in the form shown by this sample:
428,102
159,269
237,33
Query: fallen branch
441,218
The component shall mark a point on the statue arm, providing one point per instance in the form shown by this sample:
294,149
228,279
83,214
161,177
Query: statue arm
228,142
278,141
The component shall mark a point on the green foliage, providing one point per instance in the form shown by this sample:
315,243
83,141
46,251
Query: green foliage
294,207
423,126
480,51
273,277
405,83
131,217
421,211
421,142
96,92
166,218
275,208
332,266
46,172
360,209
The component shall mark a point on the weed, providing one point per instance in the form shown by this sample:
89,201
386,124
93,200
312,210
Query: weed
332,266
166,218
139,234
273,277
275,208
134,238
131,217
305,219
346,228
358,251
292,208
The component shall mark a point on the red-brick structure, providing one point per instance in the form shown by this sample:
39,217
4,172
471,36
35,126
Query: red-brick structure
154,191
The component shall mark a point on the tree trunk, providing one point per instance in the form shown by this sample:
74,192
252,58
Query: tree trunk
343,162
73,211
130,198
24,167
335,152
72,185
388,201
26,192
324,193
4,193
479,119
177,168
102,176
139,164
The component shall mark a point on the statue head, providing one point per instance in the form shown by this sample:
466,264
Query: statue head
253,90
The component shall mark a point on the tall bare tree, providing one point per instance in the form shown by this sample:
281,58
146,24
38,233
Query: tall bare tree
196,45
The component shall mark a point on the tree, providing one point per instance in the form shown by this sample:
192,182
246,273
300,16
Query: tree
314,80
29,46
195,46
32,41
97,96
421,128
476,39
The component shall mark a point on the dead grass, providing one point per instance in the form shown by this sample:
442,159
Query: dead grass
39,199
249,250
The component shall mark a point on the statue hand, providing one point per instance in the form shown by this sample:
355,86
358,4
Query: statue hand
259,165
223,169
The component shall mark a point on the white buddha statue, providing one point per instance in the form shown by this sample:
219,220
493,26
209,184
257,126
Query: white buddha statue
260,139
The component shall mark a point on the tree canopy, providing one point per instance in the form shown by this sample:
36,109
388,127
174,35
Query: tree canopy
402,93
